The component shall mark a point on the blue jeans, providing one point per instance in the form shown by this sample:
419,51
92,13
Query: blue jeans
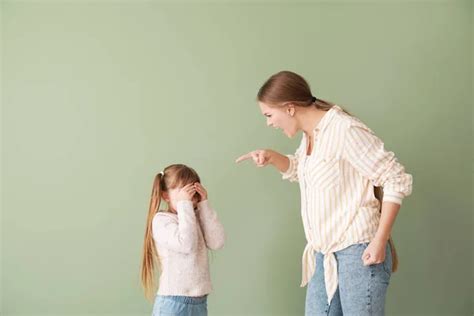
361,289
180,306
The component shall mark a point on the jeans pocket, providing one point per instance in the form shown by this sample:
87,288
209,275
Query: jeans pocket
387,268
387,264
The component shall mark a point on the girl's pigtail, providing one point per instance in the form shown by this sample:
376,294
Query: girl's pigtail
149,250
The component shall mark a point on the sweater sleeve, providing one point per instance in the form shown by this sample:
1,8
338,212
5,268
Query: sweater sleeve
177,235
212,228
366,153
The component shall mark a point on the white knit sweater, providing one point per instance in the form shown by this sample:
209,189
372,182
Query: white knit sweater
182,241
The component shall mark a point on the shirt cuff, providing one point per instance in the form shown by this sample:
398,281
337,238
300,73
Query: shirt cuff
394,197
290,171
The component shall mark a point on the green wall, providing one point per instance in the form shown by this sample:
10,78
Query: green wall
98,96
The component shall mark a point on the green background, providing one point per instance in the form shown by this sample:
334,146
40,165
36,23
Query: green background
99,96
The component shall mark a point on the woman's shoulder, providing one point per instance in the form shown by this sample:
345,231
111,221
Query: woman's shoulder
345,121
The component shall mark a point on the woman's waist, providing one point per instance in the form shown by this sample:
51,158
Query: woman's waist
326,241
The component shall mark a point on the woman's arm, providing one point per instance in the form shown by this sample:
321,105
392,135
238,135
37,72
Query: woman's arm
375,251
279,161
366,153
285,164
387,219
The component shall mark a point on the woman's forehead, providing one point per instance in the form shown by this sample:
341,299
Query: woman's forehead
267,108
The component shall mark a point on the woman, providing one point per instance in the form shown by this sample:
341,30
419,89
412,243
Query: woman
348,260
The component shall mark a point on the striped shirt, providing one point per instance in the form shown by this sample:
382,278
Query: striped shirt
337,180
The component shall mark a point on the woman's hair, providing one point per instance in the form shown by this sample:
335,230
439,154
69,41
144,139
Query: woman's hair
173,176
288,87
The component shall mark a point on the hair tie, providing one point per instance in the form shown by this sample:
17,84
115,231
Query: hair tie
313,99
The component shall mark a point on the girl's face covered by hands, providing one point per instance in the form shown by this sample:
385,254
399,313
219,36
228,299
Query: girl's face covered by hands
193,192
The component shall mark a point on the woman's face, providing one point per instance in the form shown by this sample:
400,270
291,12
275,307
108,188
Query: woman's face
281,118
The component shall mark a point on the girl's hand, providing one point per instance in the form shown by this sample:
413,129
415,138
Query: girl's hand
261,157
201,191
186,193
374,253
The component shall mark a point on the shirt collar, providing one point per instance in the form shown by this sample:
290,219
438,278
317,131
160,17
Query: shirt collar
327,118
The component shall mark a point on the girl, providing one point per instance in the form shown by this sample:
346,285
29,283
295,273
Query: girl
347,261
177,240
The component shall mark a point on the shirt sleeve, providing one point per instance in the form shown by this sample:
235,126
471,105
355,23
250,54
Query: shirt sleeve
212,228
179,236
366,153
291,173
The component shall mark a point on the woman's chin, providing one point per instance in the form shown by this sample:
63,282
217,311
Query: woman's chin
288,134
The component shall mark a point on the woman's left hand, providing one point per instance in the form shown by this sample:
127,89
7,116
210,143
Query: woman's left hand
201,191
374,253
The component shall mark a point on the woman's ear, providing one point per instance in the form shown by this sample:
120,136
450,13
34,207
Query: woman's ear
291,110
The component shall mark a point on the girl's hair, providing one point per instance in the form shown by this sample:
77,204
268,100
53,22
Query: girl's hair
173,176
288,87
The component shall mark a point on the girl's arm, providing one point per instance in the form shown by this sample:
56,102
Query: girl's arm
177,235
212,228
